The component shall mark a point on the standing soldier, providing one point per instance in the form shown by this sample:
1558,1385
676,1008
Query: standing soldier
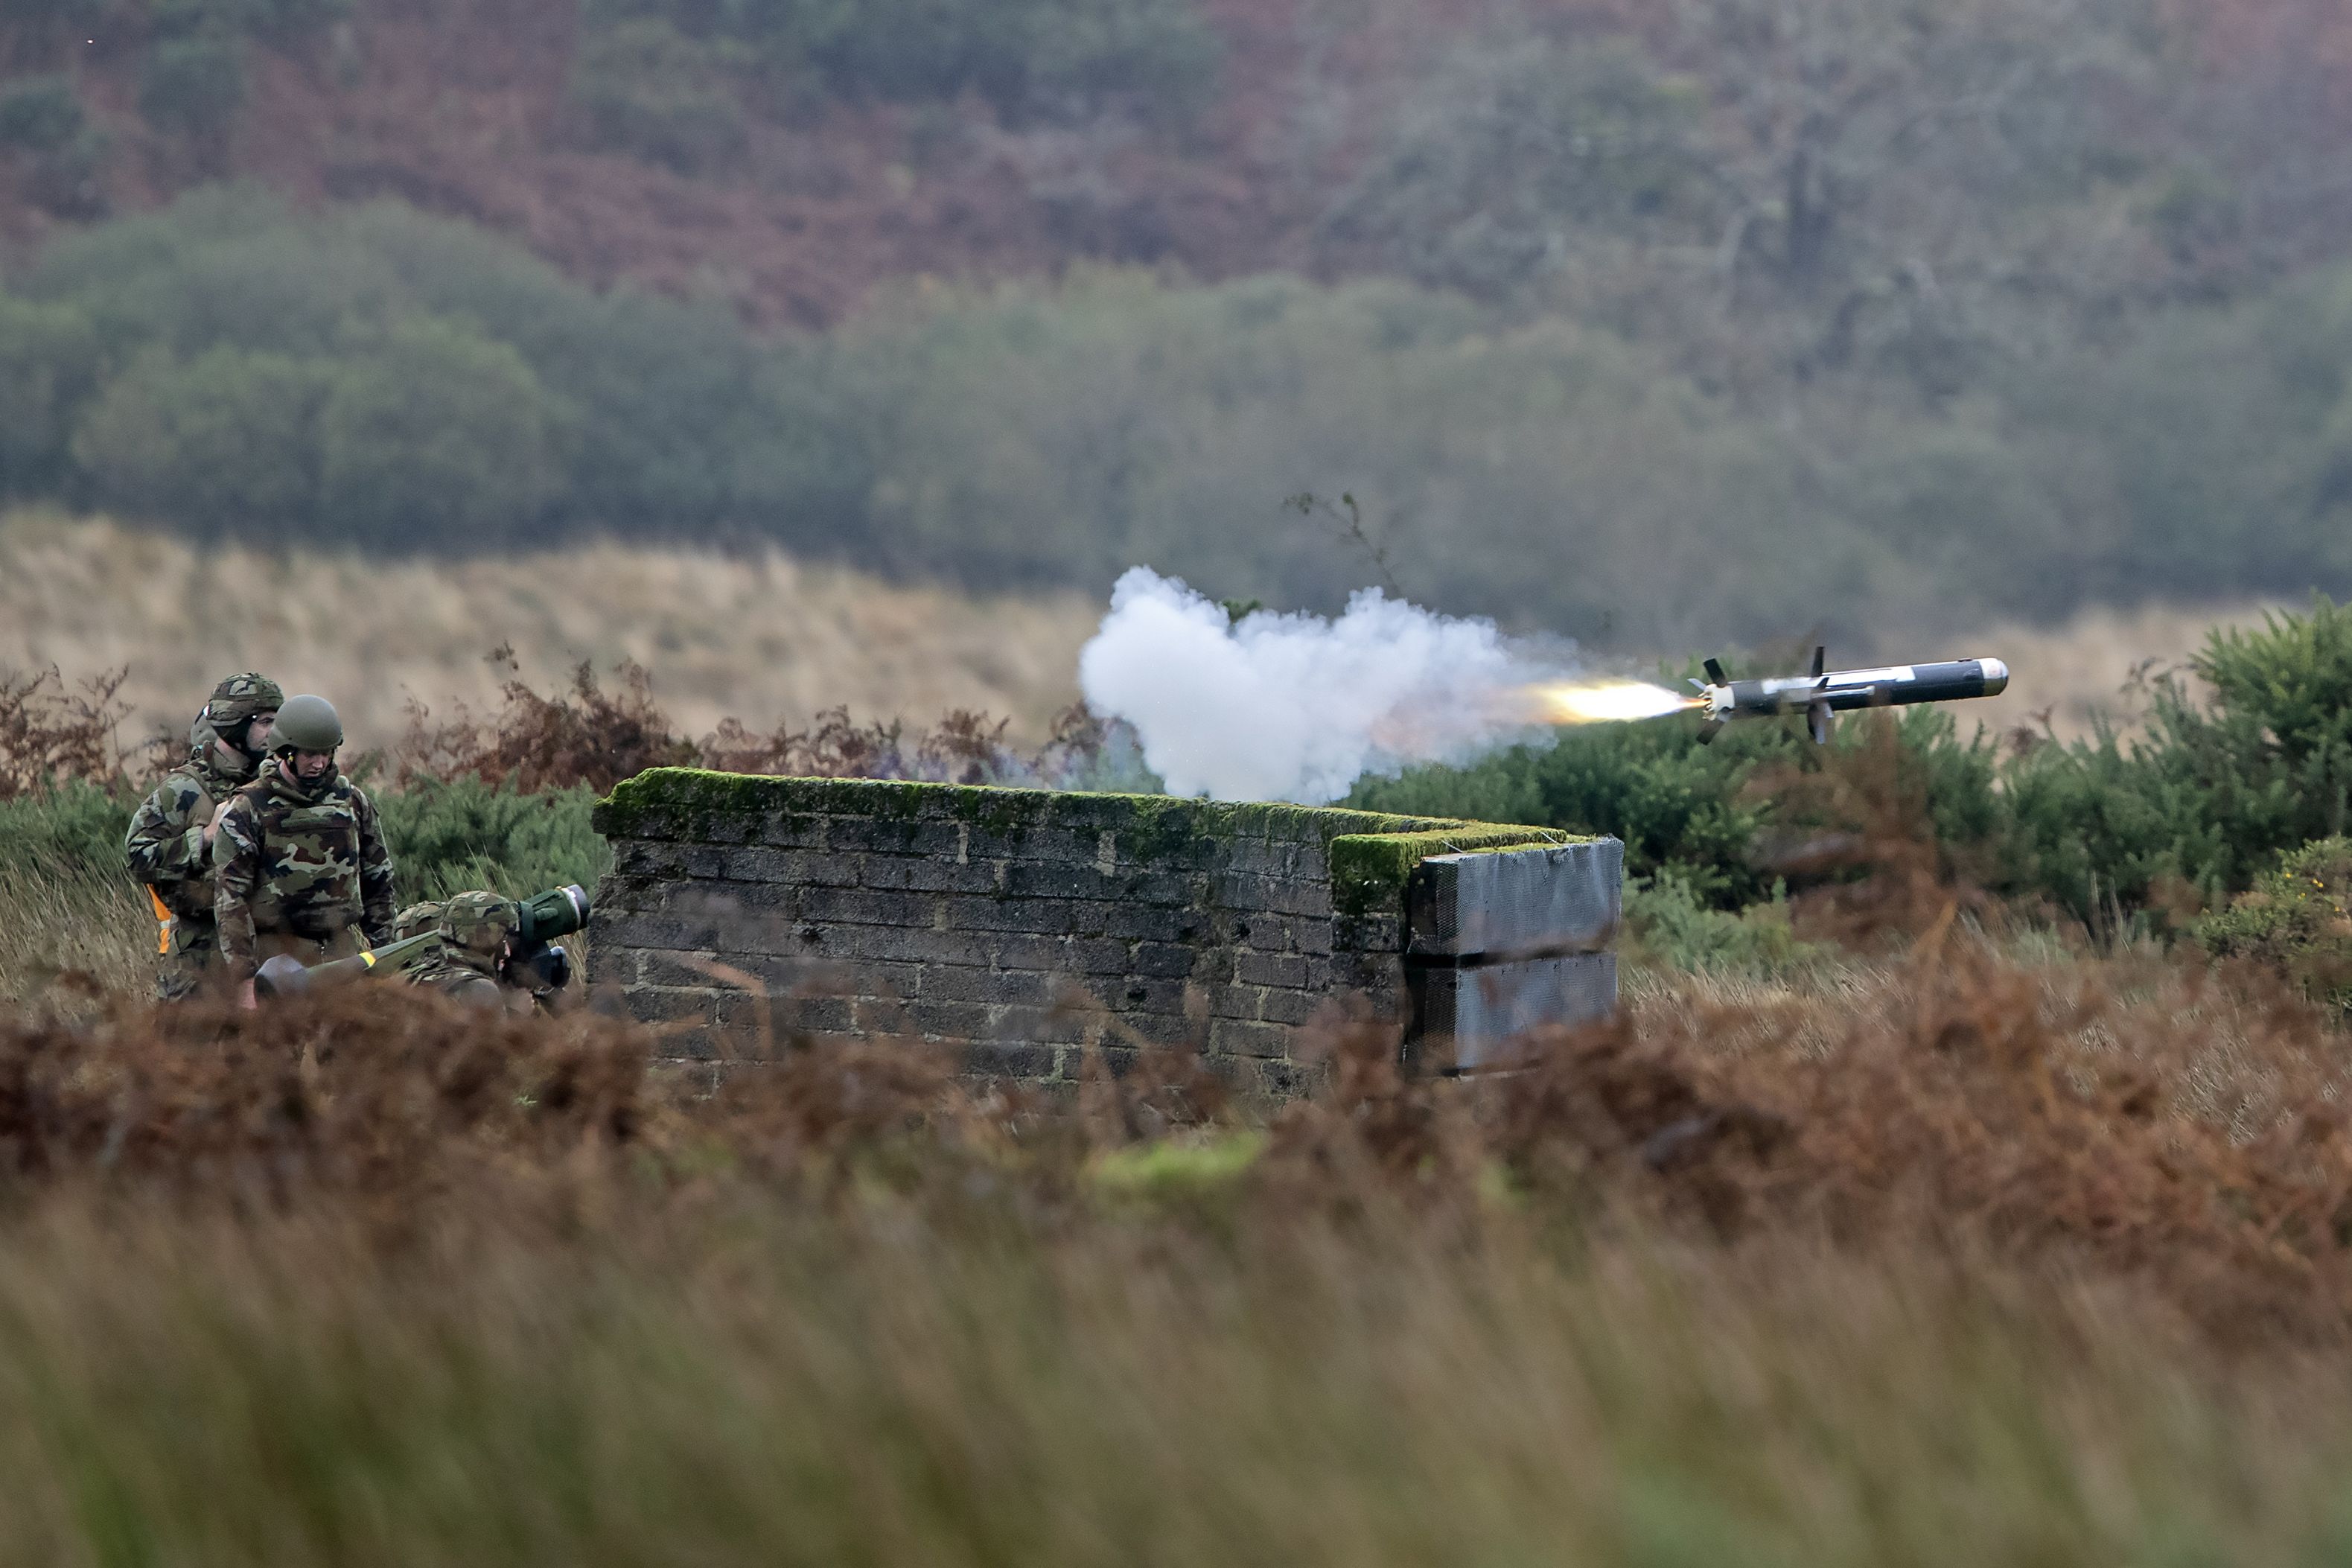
299,862
170,844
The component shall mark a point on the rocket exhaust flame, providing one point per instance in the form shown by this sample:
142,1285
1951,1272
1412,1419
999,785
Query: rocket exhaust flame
1600,702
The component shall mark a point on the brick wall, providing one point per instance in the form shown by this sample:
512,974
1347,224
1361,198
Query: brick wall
1020,927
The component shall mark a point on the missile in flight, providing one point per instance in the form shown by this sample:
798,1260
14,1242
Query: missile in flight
1825,692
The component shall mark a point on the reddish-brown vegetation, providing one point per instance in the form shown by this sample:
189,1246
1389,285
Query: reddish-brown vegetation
592,736
2161,1130
50,732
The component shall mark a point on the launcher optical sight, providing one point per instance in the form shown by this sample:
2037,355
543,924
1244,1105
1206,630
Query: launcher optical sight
1826,692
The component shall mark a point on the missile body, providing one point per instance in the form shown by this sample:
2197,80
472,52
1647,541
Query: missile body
1824,692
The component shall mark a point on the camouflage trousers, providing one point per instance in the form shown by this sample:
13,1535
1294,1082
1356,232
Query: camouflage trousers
191,960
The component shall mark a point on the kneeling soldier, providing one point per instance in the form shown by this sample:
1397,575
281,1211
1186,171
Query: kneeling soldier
476,947
300,863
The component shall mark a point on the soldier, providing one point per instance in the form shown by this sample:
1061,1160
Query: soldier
170,844
477,951
476,943
299,860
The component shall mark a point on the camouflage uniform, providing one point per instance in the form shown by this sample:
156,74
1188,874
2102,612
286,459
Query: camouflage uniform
300,870
165,848
474,927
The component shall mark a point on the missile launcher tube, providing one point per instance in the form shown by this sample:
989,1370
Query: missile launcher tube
557,913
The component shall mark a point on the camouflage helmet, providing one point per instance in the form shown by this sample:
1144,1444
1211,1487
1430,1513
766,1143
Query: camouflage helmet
416,921
239,698
306,724
478,922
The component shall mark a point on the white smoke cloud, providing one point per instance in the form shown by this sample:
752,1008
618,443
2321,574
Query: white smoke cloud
1296,707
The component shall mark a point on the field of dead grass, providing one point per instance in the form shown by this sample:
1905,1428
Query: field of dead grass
761,638
1947,1259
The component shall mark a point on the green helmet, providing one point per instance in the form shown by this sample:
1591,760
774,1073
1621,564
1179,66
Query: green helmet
306,724
416,921
239,698
478,922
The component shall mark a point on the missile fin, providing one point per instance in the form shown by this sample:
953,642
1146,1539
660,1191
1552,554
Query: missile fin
1714,668
1706,729
1820,660
1818,720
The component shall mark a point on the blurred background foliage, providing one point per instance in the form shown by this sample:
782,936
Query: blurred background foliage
376,378
1662,331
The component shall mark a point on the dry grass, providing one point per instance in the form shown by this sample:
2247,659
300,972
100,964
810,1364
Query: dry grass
761,638
1898,1282
89,933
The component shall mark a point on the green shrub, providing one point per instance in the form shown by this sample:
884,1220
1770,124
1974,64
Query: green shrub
649,90
40,113
2214,791
49,368
194,86
227,442
1686,812
438,436
69,830
1670,923
444,839
2298,920
448,837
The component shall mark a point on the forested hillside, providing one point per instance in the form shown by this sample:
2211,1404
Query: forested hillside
1649,324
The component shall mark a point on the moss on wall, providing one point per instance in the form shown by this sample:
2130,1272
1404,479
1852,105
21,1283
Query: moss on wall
1371,853
1369,871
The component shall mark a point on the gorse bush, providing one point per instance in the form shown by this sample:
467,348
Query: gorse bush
449,838
2296,919
2187,814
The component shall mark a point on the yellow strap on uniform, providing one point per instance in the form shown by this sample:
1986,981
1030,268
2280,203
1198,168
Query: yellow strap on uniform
162,922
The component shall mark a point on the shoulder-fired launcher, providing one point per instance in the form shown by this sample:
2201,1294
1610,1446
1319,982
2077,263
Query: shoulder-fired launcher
557,913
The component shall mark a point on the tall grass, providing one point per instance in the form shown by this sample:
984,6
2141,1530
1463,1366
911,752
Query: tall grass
762,637
86,930
1957,1261
895,1389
